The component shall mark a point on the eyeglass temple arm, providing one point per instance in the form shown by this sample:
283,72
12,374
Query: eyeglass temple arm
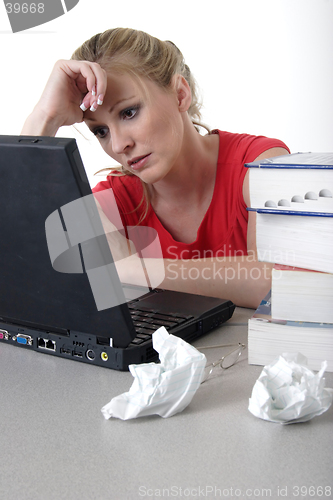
221,345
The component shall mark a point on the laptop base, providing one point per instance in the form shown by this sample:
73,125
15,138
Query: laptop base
96,350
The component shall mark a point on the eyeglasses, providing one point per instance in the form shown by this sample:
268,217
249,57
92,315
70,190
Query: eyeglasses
225,362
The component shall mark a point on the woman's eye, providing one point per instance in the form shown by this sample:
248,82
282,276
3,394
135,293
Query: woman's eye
129,113
100,132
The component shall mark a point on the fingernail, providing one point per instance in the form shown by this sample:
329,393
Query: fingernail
92,108
93,90
83,107
100,100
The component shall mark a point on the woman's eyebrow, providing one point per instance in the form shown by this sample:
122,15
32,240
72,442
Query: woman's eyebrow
113,106
120,101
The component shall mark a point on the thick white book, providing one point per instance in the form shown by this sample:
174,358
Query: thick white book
268,338
292,195
301,295
294,238
297,182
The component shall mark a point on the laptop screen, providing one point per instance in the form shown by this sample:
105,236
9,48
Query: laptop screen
38,176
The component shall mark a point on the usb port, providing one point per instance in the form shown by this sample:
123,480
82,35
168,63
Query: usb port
66,351
78,354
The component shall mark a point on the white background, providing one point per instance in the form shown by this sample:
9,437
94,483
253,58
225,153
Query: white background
264,67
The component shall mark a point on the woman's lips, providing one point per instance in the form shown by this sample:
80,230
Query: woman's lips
138,162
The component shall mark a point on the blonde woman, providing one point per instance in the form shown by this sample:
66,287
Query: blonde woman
137,95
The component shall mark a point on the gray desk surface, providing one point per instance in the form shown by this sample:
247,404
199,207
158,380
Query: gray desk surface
55,443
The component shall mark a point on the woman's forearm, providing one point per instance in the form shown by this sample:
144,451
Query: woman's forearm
60,104
37,124
241,279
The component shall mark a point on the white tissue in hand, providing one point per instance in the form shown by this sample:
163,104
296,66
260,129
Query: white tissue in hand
161,389
287,391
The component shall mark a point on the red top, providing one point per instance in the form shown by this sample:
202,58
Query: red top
223,230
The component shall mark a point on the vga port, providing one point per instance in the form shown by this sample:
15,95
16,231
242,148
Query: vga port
23,339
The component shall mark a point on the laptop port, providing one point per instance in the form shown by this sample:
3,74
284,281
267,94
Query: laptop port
51,345
48,344
77,354
41,343
22,339
66,351
4,334
90,354
104,356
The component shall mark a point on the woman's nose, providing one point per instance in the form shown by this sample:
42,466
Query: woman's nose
121,141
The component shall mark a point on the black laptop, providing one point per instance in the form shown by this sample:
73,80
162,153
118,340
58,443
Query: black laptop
48,300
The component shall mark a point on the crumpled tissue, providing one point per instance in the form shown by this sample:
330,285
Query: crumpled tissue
163,388
287,391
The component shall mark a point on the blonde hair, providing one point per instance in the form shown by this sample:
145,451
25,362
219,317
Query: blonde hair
142,56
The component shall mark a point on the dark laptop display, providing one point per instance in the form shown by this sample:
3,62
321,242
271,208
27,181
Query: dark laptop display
46,309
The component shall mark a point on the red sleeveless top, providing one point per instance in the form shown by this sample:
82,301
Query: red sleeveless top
223,230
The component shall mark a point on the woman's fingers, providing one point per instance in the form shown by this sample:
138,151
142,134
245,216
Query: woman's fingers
89,73
90,79
91,101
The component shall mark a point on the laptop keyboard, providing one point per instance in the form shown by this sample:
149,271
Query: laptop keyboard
146,321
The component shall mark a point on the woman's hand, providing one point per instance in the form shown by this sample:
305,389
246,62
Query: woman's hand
72,87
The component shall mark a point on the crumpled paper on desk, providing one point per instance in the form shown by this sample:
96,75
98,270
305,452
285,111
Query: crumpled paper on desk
287,391
163,388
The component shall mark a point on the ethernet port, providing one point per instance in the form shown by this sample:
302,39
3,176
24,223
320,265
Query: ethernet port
50,344
41,343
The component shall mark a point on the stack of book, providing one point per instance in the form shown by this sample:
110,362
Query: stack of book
292,198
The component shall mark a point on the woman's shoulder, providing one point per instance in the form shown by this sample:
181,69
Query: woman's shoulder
244,147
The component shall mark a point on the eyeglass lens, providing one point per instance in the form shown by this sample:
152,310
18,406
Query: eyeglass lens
231,358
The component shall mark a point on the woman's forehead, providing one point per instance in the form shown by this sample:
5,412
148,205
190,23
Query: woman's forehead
123,84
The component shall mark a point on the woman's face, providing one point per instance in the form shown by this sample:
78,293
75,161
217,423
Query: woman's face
141,128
